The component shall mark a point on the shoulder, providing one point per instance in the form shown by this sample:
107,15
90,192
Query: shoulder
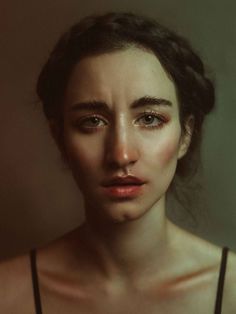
14,269
198,252
206,255
229,300
15,281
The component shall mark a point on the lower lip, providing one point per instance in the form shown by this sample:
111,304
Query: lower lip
124,190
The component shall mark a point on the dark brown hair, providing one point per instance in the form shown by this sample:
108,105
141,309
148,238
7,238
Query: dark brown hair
98,34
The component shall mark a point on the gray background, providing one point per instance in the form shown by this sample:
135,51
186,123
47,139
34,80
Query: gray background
38,198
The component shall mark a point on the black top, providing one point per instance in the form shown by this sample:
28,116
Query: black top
219,295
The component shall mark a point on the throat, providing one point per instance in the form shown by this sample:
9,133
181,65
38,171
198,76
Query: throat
128,250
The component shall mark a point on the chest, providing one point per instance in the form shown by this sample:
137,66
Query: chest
189,300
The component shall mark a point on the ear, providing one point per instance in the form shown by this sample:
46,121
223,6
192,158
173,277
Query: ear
186,136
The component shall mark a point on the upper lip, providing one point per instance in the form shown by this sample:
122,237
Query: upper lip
123,180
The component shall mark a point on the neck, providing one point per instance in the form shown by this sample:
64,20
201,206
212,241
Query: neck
129,249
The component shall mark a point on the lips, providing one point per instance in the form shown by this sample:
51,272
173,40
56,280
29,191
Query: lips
123,181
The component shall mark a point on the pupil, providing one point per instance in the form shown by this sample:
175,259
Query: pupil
95,120
149,118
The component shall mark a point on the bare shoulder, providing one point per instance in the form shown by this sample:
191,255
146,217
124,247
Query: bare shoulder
14,269
198,251
231,266
212,255
229,300
15,283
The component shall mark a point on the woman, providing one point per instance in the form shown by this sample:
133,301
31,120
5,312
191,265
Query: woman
125,99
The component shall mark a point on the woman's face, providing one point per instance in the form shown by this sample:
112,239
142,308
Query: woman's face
133,124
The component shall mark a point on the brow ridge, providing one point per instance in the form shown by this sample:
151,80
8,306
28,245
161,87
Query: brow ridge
145,101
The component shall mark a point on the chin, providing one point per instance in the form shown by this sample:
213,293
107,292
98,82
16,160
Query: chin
119,211
122,213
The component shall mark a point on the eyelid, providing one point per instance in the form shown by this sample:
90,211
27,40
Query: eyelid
87,117
163,119
152,112
145,112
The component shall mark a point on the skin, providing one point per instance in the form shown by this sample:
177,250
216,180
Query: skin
127,256
122,141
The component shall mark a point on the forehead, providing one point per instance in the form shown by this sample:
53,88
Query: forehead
120,76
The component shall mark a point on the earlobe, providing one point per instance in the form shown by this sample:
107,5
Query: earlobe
186,136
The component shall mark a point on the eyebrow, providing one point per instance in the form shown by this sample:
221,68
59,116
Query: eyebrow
96,105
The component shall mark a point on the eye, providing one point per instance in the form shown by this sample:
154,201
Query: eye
90,122
152,119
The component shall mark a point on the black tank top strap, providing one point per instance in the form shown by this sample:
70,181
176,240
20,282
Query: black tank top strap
219,295
37,301
221,280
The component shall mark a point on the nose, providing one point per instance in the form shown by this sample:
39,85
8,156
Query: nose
121,148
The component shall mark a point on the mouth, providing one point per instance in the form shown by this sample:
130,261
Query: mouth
124,184
124,190
123,181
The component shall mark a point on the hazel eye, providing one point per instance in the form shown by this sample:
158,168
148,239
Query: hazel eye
149,118
152,120
90,122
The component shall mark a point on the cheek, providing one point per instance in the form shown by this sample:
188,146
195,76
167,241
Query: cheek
82,155
166,147
168,151
163,163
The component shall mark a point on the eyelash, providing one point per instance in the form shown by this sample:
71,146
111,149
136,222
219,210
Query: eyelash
162,120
